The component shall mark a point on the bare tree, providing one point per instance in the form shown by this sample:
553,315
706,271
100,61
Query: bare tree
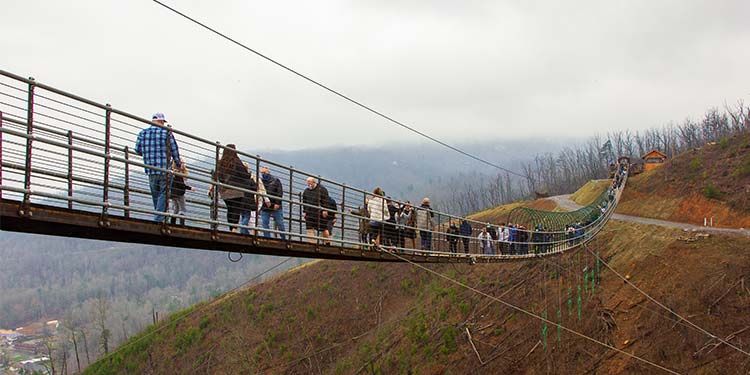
102,308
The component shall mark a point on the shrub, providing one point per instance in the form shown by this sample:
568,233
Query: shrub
311,314
184,340
711,192
724,143
205,322
449,340
695,164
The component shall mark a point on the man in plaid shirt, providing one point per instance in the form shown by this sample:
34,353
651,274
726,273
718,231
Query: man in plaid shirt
152,145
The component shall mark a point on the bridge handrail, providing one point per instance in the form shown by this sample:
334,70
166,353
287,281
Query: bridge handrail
112,163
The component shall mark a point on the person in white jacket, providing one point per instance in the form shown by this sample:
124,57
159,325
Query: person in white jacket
485,242
378,209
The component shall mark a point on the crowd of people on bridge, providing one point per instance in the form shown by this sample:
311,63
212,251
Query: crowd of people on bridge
383,222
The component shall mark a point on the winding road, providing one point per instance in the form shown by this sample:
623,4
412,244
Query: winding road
564,202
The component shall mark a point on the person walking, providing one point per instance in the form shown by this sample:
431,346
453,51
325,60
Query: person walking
485,241
425,224
453,234
465,230
315,197
232,172
157,146
378,215
178,189
249,217
274,207
364,222
406,220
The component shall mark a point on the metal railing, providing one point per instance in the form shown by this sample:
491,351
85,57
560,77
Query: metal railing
59,149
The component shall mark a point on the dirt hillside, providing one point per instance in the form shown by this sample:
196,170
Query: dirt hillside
347,317
712,181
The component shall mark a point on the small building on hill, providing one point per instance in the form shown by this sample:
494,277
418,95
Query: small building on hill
653,159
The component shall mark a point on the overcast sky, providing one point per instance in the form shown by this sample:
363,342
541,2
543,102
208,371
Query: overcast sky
459,70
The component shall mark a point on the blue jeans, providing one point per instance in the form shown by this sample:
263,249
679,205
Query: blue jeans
158,185
426,239
245,220
278,219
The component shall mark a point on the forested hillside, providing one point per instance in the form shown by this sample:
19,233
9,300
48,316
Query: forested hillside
57,278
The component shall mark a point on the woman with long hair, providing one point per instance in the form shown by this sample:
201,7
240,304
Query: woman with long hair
232,172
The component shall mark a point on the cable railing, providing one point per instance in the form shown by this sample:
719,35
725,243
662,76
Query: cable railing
75,153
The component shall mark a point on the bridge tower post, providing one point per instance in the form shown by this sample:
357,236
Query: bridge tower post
25,211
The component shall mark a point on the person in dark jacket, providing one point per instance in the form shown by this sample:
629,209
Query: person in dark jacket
465,230
390,228
274,207
316,216
364,222
232,172
452,236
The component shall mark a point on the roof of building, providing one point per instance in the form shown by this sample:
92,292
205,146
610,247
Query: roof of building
654,153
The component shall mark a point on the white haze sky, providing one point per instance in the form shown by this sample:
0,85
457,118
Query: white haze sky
462,71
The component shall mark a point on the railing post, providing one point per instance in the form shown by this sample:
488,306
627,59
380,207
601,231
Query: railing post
126,190
215,195
169,178
343,213
257,190
107,149
317,233
301,217
291,200
1,153
70,169
24,211
367,210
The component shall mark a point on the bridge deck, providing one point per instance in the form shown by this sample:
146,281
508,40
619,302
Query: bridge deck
58,221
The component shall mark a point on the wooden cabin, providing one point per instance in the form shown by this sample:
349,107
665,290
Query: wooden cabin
653,159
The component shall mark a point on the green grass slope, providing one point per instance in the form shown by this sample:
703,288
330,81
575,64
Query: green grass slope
336,317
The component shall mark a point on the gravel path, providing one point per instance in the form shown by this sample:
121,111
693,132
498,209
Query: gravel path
564,202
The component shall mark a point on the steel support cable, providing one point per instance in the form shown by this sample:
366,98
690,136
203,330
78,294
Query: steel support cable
191,312
37,94
13,87
37,104
533,315
695,326
339,94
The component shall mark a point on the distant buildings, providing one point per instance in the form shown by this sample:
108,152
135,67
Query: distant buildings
653,159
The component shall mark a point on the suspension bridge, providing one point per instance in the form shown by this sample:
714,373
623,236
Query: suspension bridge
68,168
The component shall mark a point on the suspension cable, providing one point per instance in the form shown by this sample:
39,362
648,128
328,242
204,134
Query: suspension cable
339,94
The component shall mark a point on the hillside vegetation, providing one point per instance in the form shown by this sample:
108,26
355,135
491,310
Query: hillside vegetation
590,191
350,317
712,181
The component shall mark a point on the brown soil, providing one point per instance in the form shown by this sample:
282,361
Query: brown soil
350,317
713,181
